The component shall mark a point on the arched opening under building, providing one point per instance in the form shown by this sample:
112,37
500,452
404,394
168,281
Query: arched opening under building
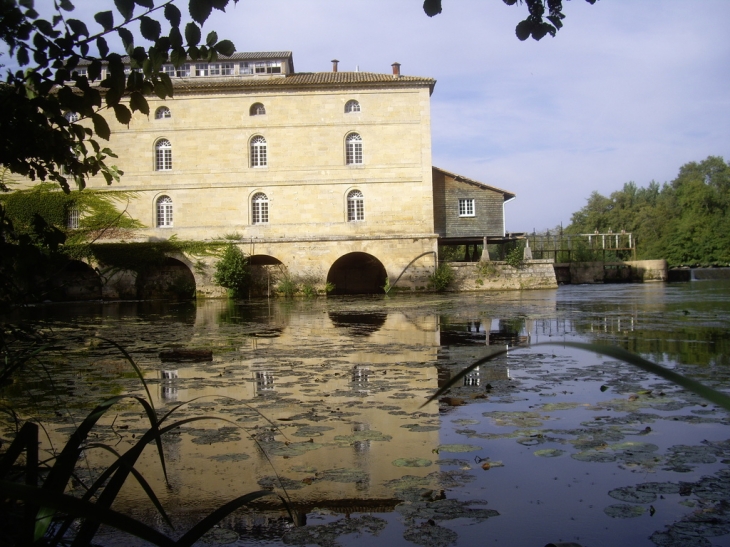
266,271
171,280
76,281
357,273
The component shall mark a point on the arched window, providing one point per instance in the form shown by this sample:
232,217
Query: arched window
257,109
352,106
163,155
353,149
355,206
258,152
162,113
164,212
259,209
71,117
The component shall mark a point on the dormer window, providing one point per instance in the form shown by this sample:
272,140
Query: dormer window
352,106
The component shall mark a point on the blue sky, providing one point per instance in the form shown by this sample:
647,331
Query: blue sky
627,91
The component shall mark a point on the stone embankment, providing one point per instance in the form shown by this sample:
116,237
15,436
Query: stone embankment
632,271
494,276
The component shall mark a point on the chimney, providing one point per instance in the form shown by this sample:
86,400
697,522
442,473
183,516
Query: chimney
396,70
334,65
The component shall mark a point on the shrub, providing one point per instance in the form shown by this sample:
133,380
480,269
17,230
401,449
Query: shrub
441,278
515,257
232,271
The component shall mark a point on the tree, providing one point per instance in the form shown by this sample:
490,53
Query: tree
39,140
232,271
533,25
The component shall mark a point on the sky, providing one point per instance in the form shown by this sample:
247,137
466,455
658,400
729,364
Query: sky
627,91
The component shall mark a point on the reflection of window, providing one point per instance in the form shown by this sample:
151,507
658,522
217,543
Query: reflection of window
264,380
353,145
466,207
260,209
163,155
258,152
72,218
355,206
257,109
164,212
472,379
162,113
352,106
361,446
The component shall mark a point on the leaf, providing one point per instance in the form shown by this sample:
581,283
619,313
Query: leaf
193,53
66,5
105,19
127,38
125,8
192,34
149,4
432,7
178,57
22,56
173,15
149,28
160,89
94,70
176,39
101,128
124,116
221,4
102,47
523,29
167,82
78,27
138,102
200,10
26,4
211,39
225,47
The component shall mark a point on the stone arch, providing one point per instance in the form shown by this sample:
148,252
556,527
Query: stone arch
76,281
171,280
265,273
357,273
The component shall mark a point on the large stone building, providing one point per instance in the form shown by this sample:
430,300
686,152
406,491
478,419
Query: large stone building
326,174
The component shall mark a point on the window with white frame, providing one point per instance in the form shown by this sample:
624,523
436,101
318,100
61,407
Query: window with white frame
162,112
81,71
183,71
164,212
168,69
258,152
71,117
260,209
257,109
352,106
267,67
353,149
245,68
163,155
221,69
72,217
466,207
355,206
201,69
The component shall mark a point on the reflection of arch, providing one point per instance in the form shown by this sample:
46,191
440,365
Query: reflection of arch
357,273
172,280
76,281
358,323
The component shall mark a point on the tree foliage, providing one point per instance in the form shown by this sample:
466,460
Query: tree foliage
544,16
686,221
232,271
38,140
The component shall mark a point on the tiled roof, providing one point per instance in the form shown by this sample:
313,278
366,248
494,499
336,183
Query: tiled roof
459,178
302,79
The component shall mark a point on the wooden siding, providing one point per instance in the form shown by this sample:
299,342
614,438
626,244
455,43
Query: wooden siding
488,207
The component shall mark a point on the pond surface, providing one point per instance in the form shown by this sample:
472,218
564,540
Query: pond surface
325,397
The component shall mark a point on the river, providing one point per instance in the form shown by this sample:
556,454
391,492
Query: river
326,398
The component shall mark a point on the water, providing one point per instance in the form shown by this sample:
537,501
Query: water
543,444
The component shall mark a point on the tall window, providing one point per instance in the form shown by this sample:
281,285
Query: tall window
201,69
353,149
245,68
466,207
258,152
260,209
163,155
355,206
72,217
162,113
257,109
164,212
352,106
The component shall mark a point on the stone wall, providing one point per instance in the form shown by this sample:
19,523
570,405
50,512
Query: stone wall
632,271
493,276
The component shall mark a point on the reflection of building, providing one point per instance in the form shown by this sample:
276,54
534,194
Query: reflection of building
264,380
328,173
168,388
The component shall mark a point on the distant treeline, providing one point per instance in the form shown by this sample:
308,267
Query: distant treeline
686,221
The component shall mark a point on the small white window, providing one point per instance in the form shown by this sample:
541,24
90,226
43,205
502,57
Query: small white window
260,209
163,155
352,106
257,109
72,218
181,72
466,207
164,212
82,71
71,117
168,69
201,69
221,69
355,206
162,113
258,152
245,68
353,152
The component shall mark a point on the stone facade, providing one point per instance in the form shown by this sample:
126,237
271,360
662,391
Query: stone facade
488,276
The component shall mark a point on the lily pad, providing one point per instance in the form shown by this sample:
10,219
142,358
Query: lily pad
515,419
624,511
458,448
549,452
430,535
369,435
594,456
230,457
343,475
417,428
412,462
632,495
